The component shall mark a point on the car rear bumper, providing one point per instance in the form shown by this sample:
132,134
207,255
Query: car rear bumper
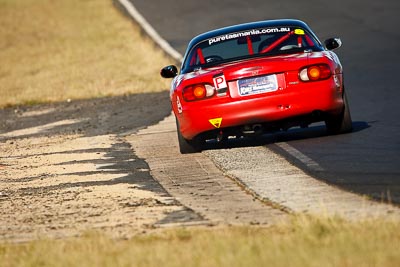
222,113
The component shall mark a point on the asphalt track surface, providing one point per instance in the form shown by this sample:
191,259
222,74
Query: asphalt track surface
366,161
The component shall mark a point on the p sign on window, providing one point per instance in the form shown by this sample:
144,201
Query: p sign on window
220,82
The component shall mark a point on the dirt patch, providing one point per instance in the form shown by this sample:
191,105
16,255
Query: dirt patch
66,169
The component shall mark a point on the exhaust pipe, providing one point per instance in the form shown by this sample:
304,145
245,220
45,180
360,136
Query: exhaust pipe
252,129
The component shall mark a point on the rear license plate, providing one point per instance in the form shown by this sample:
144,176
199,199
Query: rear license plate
257,85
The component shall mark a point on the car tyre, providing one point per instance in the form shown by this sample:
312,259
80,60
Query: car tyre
342,123
187,146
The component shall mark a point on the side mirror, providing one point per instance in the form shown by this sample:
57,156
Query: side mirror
333,43
169,71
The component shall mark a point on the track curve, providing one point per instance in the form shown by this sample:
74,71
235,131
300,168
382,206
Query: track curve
366,161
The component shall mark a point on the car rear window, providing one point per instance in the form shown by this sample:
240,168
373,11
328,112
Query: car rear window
250,43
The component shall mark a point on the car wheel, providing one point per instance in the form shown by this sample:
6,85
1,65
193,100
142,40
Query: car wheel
187,146
341,123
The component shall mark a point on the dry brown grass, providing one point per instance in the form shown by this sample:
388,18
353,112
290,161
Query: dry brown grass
70,49
305,241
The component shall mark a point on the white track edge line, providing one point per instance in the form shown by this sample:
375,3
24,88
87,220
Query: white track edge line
313,165
134,13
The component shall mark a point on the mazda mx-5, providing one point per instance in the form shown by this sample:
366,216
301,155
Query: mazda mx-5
255,78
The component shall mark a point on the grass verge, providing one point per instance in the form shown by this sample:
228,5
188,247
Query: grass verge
305,241
72,49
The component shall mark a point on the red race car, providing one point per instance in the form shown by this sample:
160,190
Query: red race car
254,78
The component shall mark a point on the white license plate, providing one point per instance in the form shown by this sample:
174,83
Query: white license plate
257,85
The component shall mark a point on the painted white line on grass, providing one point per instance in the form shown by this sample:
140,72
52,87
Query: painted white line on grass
134,13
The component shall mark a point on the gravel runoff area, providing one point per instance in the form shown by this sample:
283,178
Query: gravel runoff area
65,169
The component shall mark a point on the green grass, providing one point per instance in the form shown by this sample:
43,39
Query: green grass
304,241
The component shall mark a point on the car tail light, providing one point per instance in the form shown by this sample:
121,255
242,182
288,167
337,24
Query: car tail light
315,73
198,92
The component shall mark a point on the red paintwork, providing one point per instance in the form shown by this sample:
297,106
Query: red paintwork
293,98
